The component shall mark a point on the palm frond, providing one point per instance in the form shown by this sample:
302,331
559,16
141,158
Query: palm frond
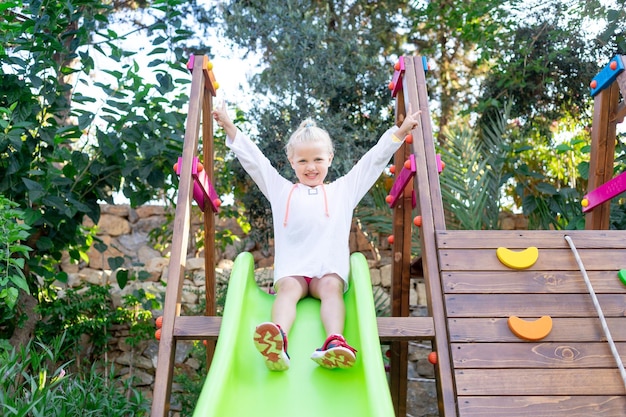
471,182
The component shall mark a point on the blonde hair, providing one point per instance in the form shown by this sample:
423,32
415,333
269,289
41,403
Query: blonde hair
309,132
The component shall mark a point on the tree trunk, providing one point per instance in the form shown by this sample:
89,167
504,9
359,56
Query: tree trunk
24,333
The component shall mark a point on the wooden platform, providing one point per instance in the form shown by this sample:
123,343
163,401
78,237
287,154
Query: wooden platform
569,373
390,329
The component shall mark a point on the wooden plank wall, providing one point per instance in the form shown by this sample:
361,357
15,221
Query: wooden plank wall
569,373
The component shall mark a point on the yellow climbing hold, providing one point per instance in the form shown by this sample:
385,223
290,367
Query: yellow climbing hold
518,259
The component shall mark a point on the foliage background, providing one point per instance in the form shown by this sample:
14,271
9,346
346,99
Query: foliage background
81,122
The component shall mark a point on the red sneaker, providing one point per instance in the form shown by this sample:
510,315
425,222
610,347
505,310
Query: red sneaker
335,353
271,342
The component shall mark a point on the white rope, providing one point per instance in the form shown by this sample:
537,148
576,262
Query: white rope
596,304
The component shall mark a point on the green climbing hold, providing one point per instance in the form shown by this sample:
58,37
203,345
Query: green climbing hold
622,275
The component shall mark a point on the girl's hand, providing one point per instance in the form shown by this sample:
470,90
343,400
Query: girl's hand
220,114
410,122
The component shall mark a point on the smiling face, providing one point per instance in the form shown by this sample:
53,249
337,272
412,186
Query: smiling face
310,161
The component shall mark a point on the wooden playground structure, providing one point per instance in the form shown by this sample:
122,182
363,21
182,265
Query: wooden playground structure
483,367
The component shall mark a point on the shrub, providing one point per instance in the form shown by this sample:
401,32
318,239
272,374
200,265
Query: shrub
34,384
12,256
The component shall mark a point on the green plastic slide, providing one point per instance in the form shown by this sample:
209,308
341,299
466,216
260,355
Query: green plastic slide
239,385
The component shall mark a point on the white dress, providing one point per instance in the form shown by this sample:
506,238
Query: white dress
312,225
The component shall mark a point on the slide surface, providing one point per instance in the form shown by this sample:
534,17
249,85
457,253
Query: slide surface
239,385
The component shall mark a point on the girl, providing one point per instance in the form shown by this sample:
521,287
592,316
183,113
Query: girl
312,223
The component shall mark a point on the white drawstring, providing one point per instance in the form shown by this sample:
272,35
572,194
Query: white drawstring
596,304
289,200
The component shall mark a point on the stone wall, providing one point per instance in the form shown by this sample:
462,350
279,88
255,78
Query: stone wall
126,233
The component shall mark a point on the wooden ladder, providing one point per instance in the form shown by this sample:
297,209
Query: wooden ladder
174,326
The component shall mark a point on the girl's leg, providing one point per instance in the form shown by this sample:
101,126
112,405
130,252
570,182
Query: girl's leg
335,352
289,290
329,290
270,338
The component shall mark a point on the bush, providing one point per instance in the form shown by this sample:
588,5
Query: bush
12,256
34,384
86,316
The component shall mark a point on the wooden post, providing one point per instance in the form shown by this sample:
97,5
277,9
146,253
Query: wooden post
601,159
400,281
607,113
430,207
180,240
209,218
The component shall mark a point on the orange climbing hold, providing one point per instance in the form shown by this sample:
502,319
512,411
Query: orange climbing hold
392,169
389,199
407,164
613,65
417,220
390,239
159,322
593,84
408,138
157,334
391,85
530,330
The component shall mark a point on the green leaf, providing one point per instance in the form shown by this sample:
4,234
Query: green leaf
44,243
85,119
57,202
100,246
612,15
17,262
143,275
79,206
122,277
62,277
32,216
17,233
10,296
35,189
563,147
156,51
23,249
547,188
116,262
7,5
20,282
69,171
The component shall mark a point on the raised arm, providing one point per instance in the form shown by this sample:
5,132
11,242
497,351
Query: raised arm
367,170
410,122
220,114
